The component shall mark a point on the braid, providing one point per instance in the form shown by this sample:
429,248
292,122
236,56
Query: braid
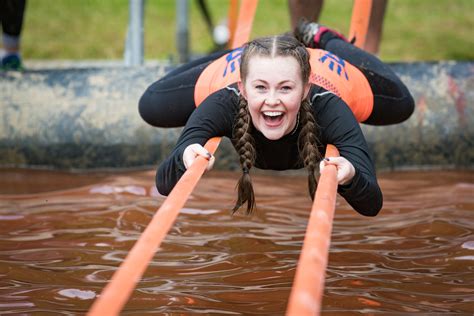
244,144
308,144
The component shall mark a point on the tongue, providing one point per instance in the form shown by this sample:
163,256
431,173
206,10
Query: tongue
273,120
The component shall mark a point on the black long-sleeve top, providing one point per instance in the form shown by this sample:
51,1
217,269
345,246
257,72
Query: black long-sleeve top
336,125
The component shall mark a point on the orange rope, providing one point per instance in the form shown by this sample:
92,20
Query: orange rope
117,292
115,295
306,294
360,21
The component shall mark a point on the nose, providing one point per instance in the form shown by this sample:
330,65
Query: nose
272,99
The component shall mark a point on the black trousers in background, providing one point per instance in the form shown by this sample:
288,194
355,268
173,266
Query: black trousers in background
11,16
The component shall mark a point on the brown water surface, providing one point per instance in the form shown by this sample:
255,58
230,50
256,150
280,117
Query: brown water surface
63,235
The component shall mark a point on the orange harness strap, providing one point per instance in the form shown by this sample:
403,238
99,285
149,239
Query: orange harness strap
344,80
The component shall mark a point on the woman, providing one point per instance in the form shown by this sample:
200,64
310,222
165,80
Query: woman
280,115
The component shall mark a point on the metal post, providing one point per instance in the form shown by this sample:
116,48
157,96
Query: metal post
134,42
182,35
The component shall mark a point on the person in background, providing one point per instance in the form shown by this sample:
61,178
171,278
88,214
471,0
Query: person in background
280,109
311,10
11,17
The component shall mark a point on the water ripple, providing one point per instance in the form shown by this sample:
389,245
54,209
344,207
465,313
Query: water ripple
58,249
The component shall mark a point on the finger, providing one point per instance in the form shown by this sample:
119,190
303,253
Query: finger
201,151
337,161
321,165
326,161
340,175
211,163
190,154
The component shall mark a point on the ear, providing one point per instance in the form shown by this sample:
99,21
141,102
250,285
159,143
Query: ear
241,86
307,87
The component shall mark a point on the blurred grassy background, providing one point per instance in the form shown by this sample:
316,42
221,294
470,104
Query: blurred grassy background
414,30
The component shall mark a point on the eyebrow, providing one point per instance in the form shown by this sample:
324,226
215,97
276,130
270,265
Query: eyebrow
279,83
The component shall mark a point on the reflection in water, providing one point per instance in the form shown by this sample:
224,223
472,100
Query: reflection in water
59,248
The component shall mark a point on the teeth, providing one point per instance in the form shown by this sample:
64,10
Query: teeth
273,113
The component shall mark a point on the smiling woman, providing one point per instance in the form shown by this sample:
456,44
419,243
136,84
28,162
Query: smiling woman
274,95
284,104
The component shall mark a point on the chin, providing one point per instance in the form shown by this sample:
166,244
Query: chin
273,135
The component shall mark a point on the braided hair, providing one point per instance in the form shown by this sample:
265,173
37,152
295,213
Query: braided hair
245,146
274,46
308,144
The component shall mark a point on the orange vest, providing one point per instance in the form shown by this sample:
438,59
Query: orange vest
327,70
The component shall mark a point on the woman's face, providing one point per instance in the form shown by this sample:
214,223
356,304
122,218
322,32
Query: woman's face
274,90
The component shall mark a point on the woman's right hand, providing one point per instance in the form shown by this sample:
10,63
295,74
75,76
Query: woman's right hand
193,151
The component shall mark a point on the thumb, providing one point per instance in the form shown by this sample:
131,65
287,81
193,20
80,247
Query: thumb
323,164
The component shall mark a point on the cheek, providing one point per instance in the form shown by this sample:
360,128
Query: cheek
293,103
254,102
254,109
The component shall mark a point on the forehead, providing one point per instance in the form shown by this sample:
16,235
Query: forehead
261,67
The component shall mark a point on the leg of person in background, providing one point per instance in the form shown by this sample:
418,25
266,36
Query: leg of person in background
308,9
374,34
311,11
11,16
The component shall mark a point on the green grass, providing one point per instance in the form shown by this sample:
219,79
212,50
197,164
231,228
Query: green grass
95,29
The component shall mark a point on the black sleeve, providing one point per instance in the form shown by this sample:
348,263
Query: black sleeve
340,128
214,117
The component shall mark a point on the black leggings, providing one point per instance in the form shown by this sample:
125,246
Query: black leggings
11,16
170,101
393,102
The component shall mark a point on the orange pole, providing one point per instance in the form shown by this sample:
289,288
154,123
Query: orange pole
306,294
246,16
360,21
117,292
232,19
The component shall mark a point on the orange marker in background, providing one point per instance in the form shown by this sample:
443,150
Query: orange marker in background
360,21
366,24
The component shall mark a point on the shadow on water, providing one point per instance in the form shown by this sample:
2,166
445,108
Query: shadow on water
63,235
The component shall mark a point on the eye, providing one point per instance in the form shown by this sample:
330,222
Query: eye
260,87
286,88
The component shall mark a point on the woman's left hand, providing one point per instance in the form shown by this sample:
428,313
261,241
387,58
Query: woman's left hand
345,170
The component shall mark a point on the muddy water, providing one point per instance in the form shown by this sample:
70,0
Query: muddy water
63,235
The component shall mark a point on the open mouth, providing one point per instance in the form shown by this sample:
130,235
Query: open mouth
273,118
